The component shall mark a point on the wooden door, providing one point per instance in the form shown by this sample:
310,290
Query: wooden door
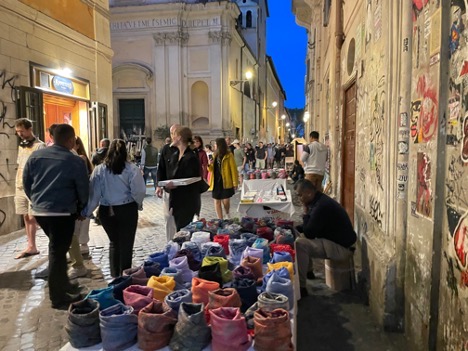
349,148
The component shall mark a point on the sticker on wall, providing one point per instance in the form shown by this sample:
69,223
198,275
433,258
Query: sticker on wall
460,245
424,112
418,6
423,188
414,123
403,147
455,33
401,190
403,119
464,143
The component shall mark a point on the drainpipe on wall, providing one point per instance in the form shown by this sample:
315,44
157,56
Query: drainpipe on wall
335,101
242,90
401,212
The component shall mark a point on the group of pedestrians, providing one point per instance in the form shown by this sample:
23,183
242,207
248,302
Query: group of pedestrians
57,188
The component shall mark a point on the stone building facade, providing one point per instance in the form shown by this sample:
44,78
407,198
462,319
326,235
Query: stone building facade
387,84
185,62
55,67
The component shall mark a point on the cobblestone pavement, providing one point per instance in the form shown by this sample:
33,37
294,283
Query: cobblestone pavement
29,323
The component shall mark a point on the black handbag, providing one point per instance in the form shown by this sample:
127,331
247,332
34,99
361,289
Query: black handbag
203,186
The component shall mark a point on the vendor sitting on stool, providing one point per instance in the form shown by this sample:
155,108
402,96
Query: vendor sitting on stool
327,228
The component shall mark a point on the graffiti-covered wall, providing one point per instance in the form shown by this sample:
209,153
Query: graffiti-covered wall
423,157
372,172
453,306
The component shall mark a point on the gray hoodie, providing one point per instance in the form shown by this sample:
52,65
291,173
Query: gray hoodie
316,159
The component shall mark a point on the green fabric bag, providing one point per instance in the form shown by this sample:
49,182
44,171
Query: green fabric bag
223,265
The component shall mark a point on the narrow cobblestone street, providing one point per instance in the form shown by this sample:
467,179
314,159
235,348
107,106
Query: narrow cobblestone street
29,323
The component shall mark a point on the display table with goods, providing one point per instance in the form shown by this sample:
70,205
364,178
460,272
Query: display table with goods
265,197
219,285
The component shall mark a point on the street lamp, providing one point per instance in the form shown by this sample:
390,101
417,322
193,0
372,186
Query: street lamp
287,124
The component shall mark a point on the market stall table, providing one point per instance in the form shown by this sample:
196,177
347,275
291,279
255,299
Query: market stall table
259,198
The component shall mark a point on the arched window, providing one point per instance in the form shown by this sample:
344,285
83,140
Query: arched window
248,19
200,106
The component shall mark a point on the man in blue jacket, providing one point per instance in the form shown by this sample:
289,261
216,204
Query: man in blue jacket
328,231
56,182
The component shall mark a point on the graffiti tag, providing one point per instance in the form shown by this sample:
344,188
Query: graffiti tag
375,210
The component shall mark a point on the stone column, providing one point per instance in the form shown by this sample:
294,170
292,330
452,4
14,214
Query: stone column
160,80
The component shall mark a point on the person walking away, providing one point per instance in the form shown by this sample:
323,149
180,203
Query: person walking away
28,144
149,162
117,186
56,182
184,201
315,159
327,230
261,156
79,245
100,154
278,156
240,158
202,156
96,159
225,178
250,154
271,152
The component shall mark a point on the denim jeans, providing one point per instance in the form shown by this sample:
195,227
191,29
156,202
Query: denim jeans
153,171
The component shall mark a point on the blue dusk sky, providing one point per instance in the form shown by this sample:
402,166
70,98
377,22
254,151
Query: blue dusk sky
287,45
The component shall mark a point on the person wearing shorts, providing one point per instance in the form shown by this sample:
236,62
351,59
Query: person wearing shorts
28,144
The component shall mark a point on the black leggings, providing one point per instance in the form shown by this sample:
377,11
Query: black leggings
120,224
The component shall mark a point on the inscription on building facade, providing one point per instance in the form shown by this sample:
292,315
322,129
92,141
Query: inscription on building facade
164,22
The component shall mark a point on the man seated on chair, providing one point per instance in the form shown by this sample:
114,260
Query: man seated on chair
327,230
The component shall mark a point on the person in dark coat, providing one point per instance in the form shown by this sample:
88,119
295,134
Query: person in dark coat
183,162
297,172
327,230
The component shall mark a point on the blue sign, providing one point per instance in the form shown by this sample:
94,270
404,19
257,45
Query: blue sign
63,85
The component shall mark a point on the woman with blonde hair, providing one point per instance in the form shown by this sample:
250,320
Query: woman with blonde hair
184,201
117,186
225,178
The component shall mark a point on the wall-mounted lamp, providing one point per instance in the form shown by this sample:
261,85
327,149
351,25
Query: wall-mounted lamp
273,106
306,116
283,117
287,124
248,76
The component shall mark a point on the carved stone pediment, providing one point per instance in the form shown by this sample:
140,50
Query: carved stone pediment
178,37
220,37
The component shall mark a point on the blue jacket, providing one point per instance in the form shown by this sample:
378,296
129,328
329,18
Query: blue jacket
55,180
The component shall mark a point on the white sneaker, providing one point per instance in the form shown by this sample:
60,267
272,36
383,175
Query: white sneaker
227,216
74,273
84,249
